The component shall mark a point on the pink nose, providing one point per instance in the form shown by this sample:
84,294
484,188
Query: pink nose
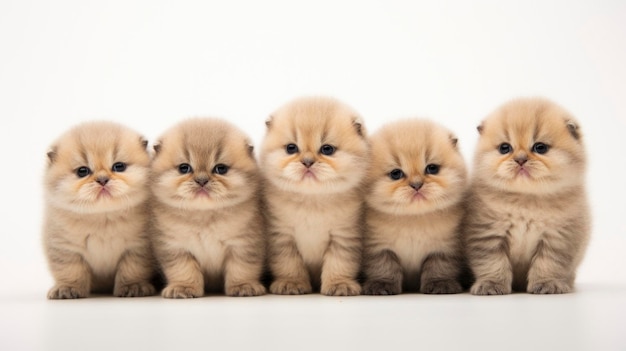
521,160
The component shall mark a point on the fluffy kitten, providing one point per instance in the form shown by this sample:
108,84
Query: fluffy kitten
208,224
95,237
314,159
527,224
416,183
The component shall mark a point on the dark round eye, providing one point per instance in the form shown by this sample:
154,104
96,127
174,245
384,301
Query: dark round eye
505,148
118,167
291,149
184,168
220,169
82,172
396,174
540,148
327,149
432,169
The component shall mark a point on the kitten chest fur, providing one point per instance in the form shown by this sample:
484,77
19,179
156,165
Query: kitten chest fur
313,220
414,238
101,239
207,235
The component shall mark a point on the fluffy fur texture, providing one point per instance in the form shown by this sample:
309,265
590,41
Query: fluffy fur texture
314,159
527,224
416,182
95,231
208,224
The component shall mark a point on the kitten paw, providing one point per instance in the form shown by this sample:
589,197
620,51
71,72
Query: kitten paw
487,287
246,289
381,288
349,288
288,287
181,292
550,287
59,292
134,290
441,287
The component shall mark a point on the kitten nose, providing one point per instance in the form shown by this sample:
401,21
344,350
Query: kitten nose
521,160
102,180
416,186
307,162
202,181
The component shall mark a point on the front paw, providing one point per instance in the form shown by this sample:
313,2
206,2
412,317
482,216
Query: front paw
246,289
347,288
488,287
59,292
550,287
441,287
290,287
181,292
381,288
134,290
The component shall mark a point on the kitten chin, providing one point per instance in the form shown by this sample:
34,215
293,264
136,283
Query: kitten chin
209,232
416,181
313,159
527,224
95,235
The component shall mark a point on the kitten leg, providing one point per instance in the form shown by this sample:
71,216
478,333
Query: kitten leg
290,274
341,266
489,260
383,273
184,276
551,269
439,275
243,269
133,275
71,273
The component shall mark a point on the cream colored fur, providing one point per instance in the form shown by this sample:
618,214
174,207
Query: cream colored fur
412,237
314,212
207,236
95,235
528,223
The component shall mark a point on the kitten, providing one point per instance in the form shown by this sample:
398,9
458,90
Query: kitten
314,159
527,224
416,182
208,225
95,237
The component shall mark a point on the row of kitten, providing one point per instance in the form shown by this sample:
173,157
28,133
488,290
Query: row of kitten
327,204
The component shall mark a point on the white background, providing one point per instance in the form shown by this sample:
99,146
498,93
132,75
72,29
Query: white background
149,64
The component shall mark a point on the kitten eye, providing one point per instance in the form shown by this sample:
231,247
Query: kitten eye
82,172
396,174
505,148
327,149
220,169
540,148
291,149
118,167
432,169
184,168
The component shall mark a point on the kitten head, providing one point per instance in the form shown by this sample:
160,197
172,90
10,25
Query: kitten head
530,146
416,168
203,164
97,167
314,146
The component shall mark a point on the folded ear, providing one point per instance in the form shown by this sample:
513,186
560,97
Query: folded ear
453,140
480,128
357,122
52,155
157,147
573,129
250,148
268,121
